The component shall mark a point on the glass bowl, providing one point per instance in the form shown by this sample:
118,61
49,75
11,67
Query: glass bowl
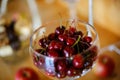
71,61
15,31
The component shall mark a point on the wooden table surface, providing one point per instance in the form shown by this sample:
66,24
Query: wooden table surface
51,11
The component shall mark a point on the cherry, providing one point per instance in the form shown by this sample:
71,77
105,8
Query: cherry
87,39
78,33
62,37
61,66
68,51
67,32
52,53
72,72
70,41
44,42
88,63
52,36
78,61
61,75
83,46
38,61
60,30
72,30
55,45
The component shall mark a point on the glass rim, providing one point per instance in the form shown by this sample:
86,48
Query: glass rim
81,21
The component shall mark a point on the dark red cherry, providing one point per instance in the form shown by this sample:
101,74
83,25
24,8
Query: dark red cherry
62,37
38,60
78,61
60,30
70,41
61,66
61,75
79,33
72,30
88,63
72,72
52,53
55,45
87,39
44,42
68,51
52,36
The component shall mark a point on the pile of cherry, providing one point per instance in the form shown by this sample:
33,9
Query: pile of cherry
12,35
67,53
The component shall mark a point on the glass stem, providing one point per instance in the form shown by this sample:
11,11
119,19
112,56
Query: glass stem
72,10
90,16
3,7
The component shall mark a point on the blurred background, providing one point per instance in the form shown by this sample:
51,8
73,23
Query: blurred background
30,14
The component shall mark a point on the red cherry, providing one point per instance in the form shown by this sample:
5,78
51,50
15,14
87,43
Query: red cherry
62,37
87,39
105,66
70,41
72,30
44,42
26,74
61,66
52,36
52,53
78,61
72,72
79,33
61,75
60,30
68,51
55,45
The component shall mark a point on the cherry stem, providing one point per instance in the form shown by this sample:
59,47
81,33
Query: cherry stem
78,39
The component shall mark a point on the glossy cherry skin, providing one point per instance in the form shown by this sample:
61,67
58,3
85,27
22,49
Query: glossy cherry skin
87,39
55,45
44,42
60,30
52,53
72,72
61,66
61,75
62,37
70,41
68,51
26,74
78,61
72,30
52,36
